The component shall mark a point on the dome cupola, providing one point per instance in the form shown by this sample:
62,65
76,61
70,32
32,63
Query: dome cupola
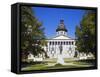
61,26
61,30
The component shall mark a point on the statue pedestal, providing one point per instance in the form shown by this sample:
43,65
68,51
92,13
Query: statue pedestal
60,60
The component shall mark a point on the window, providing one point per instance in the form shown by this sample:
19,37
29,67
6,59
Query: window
55,43
58,43
61,43
66,43
72,42
69,43
49,43
52,43
61,32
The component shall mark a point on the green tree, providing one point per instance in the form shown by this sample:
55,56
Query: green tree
32,33
85,33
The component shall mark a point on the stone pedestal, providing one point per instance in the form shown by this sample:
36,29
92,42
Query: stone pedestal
60,59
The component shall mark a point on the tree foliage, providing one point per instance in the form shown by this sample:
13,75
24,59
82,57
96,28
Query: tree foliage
32,33
86,33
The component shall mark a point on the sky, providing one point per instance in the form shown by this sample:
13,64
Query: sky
50,17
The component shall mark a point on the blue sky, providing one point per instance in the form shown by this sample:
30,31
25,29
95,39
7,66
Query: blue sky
52,16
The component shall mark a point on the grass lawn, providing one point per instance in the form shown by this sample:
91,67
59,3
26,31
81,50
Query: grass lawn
51,64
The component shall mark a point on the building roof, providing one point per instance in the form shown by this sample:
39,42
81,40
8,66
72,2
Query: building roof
61,26
62,38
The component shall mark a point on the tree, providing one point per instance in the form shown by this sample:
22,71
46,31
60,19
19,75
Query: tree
85,33
32,33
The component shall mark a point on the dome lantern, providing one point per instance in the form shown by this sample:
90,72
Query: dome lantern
61,26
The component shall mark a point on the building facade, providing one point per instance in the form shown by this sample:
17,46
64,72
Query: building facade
61,44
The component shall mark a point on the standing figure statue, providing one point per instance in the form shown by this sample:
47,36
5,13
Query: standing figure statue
60,59
61,49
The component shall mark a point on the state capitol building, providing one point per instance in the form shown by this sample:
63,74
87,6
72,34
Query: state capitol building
61,43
